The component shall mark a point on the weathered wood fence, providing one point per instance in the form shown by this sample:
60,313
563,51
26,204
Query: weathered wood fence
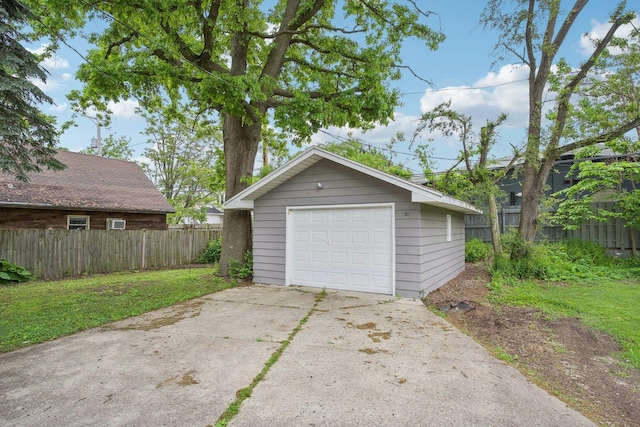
58,253
611,234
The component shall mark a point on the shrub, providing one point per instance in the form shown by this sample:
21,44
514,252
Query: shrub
586,252
536,265
12,273
476,250
211,254
240,270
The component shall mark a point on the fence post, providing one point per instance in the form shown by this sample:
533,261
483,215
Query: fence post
144,246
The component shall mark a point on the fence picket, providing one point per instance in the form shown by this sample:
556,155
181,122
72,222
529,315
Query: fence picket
50,254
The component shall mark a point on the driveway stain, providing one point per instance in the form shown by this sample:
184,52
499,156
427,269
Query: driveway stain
189,309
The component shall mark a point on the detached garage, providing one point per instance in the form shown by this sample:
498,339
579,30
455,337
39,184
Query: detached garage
326,221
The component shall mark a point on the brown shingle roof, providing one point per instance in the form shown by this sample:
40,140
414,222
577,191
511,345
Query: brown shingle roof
88,182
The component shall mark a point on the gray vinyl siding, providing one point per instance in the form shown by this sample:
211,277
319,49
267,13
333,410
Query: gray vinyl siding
419,230
440,260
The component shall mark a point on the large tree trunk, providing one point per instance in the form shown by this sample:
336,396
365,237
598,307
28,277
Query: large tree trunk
495,225
240,149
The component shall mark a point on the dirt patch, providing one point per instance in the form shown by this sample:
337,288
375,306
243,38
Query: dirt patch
565,357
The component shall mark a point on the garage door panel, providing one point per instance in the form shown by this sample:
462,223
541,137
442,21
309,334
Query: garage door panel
360,258
317,256
339,258
346,248
360,237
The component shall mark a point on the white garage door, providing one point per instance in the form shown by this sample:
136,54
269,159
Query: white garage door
348,248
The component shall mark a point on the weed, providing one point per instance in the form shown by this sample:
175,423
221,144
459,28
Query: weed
502,354
241,270
11,273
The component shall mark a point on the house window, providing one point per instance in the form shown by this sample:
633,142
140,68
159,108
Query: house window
512,198
448,228
77,222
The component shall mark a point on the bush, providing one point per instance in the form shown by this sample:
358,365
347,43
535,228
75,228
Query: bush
12,273
536,265
586,252
211,255
476,250
239,270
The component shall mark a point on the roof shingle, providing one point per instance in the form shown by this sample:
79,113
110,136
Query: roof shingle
88,182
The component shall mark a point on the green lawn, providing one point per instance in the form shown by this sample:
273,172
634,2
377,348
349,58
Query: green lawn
40,311
605,304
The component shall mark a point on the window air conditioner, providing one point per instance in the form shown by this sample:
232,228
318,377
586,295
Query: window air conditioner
117,224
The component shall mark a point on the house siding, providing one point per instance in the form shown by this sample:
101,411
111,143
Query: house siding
341,186
440,260
23,218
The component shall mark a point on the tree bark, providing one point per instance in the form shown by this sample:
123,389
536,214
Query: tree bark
240,149
495,225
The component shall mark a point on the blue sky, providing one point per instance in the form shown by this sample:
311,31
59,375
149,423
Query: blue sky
461,70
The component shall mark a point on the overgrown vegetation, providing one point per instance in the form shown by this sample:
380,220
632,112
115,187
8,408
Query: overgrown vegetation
476,250
211,254
576,279
40,311
12,273
241,270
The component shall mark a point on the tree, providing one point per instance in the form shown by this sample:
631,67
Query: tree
369,156
532,25
611,179
304,64
27,137
184,163
114,148
478,183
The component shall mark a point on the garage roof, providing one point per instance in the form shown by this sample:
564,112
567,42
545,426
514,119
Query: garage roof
419,194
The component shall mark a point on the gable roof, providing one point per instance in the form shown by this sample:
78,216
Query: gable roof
419,194
88,183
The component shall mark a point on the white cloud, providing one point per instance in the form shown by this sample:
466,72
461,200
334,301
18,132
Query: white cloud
52,62
599,30
59,107
503,92
124,109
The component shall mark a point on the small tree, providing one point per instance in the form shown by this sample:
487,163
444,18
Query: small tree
613,179
477,183
27,137
114,148
185,162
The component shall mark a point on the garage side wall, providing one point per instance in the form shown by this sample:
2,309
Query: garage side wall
340,185
440,260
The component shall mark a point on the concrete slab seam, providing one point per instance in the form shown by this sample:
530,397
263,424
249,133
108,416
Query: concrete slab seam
244,393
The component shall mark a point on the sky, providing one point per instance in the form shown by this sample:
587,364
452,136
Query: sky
463,70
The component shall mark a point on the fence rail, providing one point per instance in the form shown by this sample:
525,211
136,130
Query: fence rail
52,254
612,234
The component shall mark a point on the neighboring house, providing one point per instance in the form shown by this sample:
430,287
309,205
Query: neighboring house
612,234
93,192
214,216
326,221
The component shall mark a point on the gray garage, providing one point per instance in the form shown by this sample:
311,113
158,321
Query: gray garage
326,221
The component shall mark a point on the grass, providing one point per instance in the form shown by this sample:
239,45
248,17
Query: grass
605,304
39,311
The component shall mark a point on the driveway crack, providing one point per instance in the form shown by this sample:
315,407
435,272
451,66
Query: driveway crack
244,393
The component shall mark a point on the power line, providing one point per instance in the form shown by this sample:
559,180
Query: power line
462,88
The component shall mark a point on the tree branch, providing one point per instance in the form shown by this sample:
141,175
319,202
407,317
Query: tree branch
601,138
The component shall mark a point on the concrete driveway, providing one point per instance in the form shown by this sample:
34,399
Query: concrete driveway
359,359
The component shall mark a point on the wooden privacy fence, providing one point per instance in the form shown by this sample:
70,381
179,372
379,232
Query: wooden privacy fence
51,254
611,234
